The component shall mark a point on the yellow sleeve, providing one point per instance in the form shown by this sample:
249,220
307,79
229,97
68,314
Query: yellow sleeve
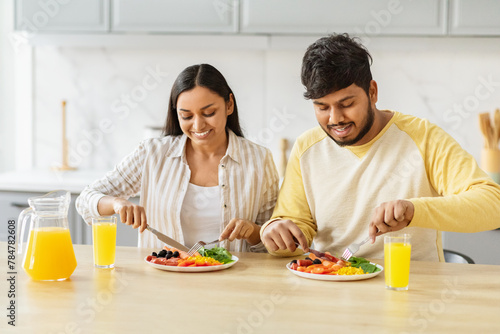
469,199
292,202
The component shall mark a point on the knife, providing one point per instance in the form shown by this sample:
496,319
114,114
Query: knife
315,252
320,254
169,241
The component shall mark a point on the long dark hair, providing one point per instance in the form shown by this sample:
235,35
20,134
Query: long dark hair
333,63
203,75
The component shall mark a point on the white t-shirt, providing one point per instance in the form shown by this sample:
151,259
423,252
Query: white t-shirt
201,214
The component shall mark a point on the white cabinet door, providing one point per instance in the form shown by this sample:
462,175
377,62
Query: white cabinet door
35,16
13,202
361,17
475,17
198,16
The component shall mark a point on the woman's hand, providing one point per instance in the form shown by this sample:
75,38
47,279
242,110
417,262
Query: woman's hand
130,213
241,229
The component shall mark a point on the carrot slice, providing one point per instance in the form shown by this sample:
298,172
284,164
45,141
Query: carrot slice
312,256
318,270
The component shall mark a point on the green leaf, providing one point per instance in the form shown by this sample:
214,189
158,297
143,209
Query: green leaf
369,268
361,262
357,261
219,253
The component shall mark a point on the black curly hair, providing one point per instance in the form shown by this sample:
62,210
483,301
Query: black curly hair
333,63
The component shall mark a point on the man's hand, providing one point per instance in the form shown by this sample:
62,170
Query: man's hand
130,213
282,234
390,216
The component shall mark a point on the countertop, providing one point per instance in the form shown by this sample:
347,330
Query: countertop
47,180
256,295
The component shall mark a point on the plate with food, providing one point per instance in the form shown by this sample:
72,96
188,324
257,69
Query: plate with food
330,268
171,259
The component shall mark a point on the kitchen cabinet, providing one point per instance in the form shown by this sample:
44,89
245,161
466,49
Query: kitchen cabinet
361,17
474,17
260,17
13,202
191,16
35,16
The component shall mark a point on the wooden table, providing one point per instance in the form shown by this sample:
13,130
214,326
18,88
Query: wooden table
256,295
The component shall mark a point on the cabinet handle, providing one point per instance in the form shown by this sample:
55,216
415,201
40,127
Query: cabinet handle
19,205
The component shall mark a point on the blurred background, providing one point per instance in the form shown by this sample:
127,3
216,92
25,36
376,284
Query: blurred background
114,61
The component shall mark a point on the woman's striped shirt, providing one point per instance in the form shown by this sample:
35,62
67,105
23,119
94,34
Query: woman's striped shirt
158,171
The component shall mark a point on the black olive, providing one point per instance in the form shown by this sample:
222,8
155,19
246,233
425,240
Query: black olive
154,254
176,254
170,252
162,253
317,261
294,261
169,255
308,258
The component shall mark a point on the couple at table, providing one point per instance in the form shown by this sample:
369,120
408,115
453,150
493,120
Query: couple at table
362,171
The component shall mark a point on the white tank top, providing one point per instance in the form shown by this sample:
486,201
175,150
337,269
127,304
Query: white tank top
201,216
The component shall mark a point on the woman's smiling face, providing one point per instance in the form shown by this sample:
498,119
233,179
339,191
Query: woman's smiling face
203,115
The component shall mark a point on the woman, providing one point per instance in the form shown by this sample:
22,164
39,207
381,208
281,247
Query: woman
201,181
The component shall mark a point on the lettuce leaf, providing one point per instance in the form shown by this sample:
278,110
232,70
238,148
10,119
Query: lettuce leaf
361,262
219,253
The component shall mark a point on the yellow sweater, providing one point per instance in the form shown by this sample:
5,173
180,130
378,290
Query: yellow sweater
331,192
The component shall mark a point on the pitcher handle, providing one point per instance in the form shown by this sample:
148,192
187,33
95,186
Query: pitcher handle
25,214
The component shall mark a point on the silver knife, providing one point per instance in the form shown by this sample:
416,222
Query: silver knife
315,252
167,240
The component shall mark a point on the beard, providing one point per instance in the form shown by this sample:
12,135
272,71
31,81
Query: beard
366,126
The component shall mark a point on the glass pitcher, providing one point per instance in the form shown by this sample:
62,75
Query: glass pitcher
49,254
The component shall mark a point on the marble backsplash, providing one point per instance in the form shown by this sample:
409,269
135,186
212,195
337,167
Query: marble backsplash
116,97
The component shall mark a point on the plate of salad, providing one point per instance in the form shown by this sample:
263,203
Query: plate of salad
171,259
333,269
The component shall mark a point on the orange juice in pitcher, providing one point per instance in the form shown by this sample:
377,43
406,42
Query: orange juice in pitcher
49,253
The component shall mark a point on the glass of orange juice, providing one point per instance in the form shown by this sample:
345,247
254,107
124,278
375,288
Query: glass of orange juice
104,238
397,251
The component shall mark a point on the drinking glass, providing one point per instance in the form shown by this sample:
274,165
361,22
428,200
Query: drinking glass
104,239
397,252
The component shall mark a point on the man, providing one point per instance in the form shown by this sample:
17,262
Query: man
366,171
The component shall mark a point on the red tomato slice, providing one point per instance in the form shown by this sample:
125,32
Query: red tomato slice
331,257
159,260
172,262
304,263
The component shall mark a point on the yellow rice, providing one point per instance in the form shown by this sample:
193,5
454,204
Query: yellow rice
350,271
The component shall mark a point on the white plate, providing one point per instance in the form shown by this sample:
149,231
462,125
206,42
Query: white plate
193,269
323,277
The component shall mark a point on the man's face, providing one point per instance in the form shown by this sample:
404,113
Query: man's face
347,115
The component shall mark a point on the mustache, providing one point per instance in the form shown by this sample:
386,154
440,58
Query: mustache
331,126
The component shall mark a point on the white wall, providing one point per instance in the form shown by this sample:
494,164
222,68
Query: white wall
442,79
7,105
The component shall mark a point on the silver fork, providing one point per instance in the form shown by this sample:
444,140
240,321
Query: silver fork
352,249
197,246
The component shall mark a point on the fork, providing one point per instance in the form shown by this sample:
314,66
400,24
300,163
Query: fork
352,249
197,246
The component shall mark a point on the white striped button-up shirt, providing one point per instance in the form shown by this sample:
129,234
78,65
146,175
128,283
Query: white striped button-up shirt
159,172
